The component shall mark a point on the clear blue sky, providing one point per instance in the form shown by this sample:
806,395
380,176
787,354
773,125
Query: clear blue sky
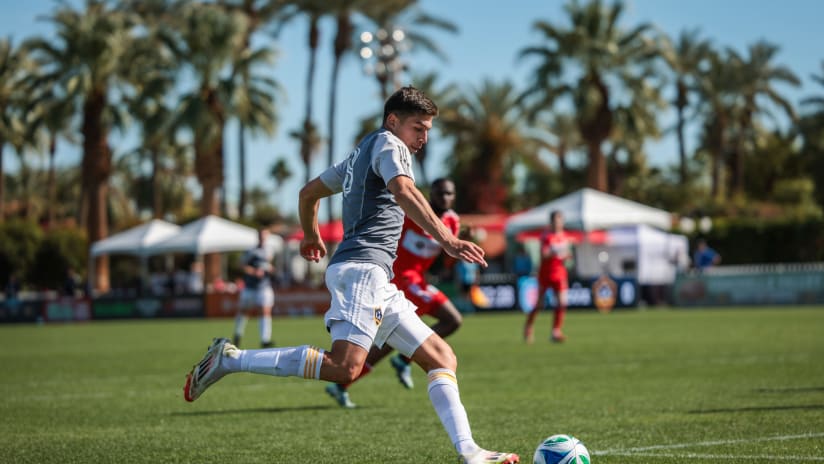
491,34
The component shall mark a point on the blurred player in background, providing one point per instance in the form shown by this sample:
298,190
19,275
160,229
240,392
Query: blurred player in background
556,249
417,250
257,295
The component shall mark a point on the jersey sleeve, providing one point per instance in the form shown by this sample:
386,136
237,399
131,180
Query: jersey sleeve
452,222
333,176
391,159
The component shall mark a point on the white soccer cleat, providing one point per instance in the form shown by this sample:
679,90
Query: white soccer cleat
210,369
404,372
340,395
491,457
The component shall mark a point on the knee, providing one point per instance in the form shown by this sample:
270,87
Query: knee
345,373
443,357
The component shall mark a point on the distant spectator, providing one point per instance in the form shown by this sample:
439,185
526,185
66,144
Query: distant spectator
704,256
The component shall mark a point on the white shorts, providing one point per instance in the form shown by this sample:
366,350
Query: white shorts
364,302
251,298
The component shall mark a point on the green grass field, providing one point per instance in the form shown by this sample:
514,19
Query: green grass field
654,386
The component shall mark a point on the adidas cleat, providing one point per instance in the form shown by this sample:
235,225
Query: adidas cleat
209,370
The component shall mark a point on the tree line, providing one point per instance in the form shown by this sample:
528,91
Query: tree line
178,72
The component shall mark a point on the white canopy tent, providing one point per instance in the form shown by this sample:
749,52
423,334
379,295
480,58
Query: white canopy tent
589,209
135,241
210,234
651,256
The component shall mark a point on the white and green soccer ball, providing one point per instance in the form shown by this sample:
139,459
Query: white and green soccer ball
561,449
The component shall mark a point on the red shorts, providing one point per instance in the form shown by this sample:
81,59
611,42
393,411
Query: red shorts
423,295
557,280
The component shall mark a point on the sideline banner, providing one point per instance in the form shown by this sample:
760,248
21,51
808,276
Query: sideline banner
603,293
502,292
293,301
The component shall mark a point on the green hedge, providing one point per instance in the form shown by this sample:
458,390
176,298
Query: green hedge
747,241
40,259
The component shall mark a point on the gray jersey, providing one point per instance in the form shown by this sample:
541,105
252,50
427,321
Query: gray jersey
258,259
372,220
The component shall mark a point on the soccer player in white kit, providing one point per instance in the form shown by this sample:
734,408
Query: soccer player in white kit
378,189
257,294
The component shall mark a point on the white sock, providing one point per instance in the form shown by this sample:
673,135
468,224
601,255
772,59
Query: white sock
240,325
265,329
444,395
293,361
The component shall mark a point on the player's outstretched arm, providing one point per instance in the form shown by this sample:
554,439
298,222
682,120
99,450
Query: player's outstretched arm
414,204
312,247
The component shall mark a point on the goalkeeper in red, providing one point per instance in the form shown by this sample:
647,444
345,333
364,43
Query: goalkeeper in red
417,251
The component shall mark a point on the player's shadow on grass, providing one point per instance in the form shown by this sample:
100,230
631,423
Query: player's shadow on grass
216,412
805,407
790,390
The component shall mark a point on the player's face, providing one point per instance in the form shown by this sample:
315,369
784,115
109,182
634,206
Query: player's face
558,222
412,130
443,195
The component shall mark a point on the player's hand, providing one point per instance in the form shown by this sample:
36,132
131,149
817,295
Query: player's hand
466,251
312,248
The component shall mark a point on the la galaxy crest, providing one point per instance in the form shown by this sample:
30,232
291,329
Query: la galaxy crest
378,315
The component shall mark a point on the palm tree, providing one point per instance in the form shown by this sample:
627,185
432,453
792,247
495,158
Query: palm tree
342,43
757,77
717,88
209,38
253,102
280,171
635,123
308,134
604,57
52,115
87,58
488,139
11,103
686,58
249,96
153,76
811,127
562,132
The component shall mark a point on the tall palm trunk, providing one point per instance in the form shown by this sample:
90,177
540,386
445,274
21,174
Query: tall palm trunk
157,196
595,129
97,168
715,133
241,149
681,103
306,142
343,42
51,184
209,171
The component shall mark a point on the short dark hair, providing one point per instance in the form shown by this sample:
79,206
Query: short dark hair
555,212
439,181
409,101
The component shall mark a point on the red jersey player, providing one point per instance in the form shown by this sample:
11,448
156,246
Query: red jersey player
556,248
417,250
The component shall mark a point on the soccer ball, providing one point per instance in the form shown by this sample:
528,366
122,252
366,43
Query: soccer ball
561,449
